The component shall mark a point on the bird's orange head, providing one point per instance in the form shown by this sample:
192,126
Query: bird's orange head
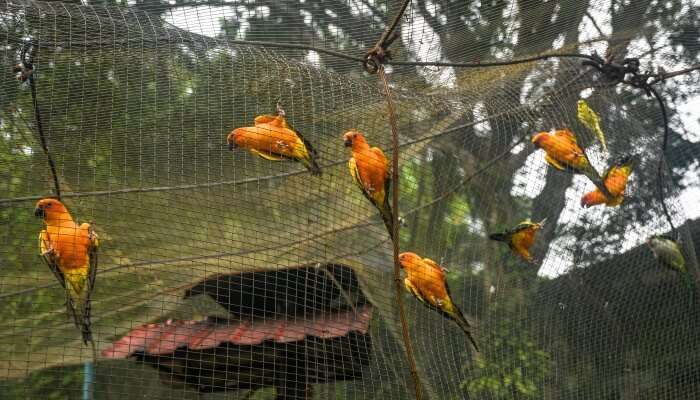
232,138
593,198
51,210
353,138
408,259
539,138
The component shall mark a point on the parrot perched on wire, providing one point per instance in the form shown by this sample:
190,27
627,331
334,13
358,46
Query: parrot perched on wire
615,180
369,168
425,280
668,254
520,238
272,138
70,251
563,153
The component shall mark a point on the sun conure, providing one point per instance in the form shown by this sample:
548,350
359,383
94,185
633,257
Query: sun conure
272,138
615,180
520,238
668,254
563,153
425,280
369,169
70,251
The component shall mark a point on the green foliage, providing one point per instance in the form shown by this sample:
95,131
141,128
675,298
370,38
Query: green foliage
512,365
51,384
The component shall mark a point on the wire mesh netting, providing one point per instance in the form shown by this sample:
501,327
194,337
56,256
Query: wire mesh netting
228,270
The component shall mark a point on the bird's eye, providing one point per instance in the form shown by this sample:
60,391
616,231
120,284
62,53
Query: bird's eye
48,205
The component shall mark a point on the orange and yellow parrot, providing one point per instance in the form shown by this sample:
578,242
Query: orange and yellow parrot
369,168
615,180
563,153
272,138
520,238
70,251
425,280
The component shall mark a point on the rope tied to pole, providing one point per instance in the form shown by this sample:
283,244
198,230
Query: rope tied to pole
380,54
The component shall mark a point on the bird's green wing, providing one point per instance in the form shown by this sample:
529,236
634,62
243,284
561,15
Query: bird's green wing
520,227
527,224
676,258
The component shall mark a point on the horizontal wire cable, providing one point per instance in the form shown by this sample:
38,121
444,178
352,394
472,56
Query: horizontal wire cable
262,178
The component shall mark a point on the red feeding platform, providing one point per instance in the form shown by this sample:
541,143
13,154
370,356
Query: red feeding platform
166,337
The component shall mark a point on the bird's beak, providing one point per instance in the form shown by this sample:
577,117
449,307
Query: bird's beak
542,222
536,140
348,142
231,140
39,212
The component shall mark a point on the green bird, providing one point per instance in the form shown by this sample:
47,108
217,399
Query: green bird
668,254
590,120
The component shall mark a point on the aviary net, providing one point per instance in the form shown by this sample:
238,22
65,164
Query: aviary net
236,242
